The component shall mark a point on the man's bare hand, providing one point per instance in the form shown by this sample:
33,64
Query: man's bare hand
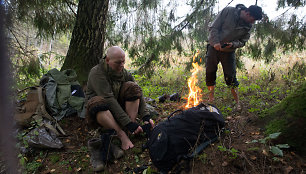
217,46
152,123
138,130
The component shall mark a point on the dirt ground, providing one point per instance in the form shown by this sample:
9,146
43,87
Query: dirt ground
233,153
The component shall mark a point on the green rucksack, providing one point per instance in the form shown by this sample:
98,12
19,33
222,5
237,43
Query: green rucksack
64,95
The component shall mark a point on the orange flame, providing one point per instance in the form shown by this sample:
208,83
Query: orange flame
194,97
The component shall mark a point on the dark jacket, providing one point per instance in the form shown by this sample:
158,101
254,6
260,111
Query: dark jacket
229,27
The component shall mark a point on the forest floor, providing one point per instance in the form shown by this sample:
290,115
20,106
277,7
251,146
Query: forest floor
233,153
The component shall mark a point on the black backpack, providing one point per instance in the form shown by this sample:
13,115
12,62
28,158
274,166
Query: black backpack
176,138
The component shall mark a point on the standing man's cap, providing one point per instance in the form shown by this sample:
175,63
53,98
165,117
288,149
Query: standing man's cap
255,11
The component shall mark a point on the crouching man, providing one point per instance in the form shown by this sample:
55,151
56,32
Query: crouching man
115,100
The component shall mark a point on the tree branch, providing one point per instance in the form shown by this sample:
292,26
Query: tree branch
70,8
20,46
176,29
231,2
188,18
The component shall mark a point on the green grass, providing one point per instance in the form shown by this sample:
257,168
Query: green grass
54,158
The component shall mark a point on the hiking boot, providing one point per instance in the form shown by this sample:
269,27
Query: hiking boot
94,146
117,151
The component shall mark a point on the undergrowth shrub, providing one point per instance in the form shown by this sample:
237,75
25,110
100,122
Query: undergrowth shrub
163,81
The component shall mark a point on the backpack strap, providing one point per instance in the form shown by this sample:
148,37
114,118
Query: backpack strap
43,113
202,146
179,110
183,162
42,104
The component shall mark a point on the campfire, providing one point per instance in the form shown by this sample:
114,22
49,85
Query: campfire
194,96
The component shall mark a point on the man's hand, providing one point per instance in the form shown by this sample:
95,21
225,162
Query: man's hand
151,122
148,125
134,128
138,130
227,45
220,47
217,46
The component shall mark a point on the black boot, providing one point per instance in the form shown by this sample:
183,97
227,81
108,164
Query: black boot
117,151
94,146
108,150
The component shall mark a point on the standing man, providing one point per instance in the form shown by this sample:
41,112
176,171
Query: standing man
115,100
229,31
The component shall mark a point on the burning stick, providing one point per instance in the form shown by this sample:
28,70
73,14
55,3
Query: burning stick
194,97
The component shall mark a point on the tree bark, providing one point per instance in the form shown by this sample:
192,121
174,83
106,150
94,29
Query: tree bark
88,36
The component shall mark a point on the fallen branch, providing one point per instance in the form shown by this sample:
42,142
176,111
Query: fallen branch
248,161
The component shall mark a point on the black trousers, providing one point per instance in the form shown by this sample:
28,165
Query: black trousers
227,59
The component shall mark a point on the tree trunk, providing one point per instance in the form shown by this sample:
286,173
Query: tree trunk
88,36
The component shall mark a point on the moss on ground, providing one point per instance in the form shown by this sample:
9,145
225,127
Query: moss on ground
289,118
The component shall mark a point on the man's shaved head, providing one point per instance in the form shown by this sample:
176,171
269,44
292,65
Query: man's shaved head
114,51
115,58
